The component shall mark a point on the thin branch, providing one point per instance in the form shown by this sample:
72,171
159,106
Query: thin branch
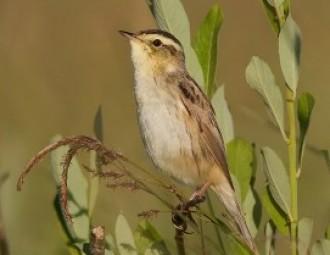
179,240
97,241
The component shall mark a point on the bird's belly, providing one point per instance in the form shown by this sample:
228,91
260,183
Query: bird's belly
166,137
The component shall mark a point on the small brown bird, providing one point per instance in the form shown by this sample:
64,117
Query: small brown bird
177,121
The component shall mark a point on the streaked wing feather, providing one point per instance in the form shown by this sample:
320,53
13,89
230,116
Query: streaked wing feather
202,113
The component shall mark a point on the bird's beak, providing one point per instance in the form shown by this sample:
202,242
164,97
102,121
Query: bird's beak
129,35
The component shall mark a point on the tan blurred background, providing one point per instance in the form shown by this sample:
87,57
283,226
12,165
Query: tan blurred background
59,60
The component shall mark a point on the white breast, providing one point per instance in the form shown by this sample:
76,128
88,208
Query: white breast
165,135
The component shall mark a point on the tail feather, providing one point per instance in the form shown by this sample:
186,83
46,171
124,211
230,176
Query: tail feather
226,194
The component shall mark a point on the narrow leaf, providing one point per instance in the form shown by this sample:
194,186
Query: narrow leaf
223,115
93,184
270,8
305,230
289,50
278,179
98,124
110,244
327,233
321,247
78,190
240,160
124,237
171,16
260,77
275,212
252,212
148,238
270,239
326,155
206,46
152,252
306,104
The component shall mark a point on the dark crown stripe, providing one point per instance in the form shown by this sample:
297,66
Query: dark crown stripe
162,33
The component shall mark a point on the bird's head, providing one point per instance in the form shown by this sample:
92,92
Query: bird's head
156,48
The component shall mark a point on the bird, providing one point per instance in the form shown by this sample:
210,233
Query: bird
177,121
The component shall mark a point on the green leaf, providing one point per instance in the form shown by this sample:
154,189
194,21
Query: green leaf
108,252
326,155
327,233
206,46
260,77
270,240
270,9
78,191
289,50
152,252
98,124
275,212
93,184
240,160
171,16
306,104
124,237
234,246
252,211
110,244
147,237
321,247
305,230
278,179
223,115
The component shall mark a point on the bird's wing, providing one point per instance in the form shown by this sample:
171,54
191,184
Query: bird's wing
202,114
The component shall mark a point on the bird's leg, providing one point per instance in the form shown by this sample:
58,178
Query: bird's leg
198,196
183,209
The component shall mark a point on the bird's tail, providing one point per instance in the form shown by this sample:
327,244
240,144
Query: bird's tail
226,194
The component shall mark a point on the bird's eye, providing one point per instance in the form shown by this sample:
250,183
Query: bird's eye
157,42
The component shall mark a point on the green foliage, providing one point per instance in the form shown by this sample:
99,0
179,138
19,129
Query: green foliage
270,242
223,115
260,77
98,124
206,46
326,155
305,230
278,179
289,50
78,199
240,160
252,210
327,233
321,247
171,16
278,217
272,8
124,237
148,240
306,104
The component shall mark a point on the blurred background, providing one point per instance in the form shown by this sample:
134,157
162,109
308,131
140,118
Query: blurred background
60,60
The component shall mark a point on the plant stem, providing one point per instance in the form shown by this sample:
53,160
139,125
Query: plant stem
292,154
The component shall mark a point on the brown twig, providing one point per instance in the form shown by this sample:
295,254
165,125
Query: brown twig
118,162
179,240
97,241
